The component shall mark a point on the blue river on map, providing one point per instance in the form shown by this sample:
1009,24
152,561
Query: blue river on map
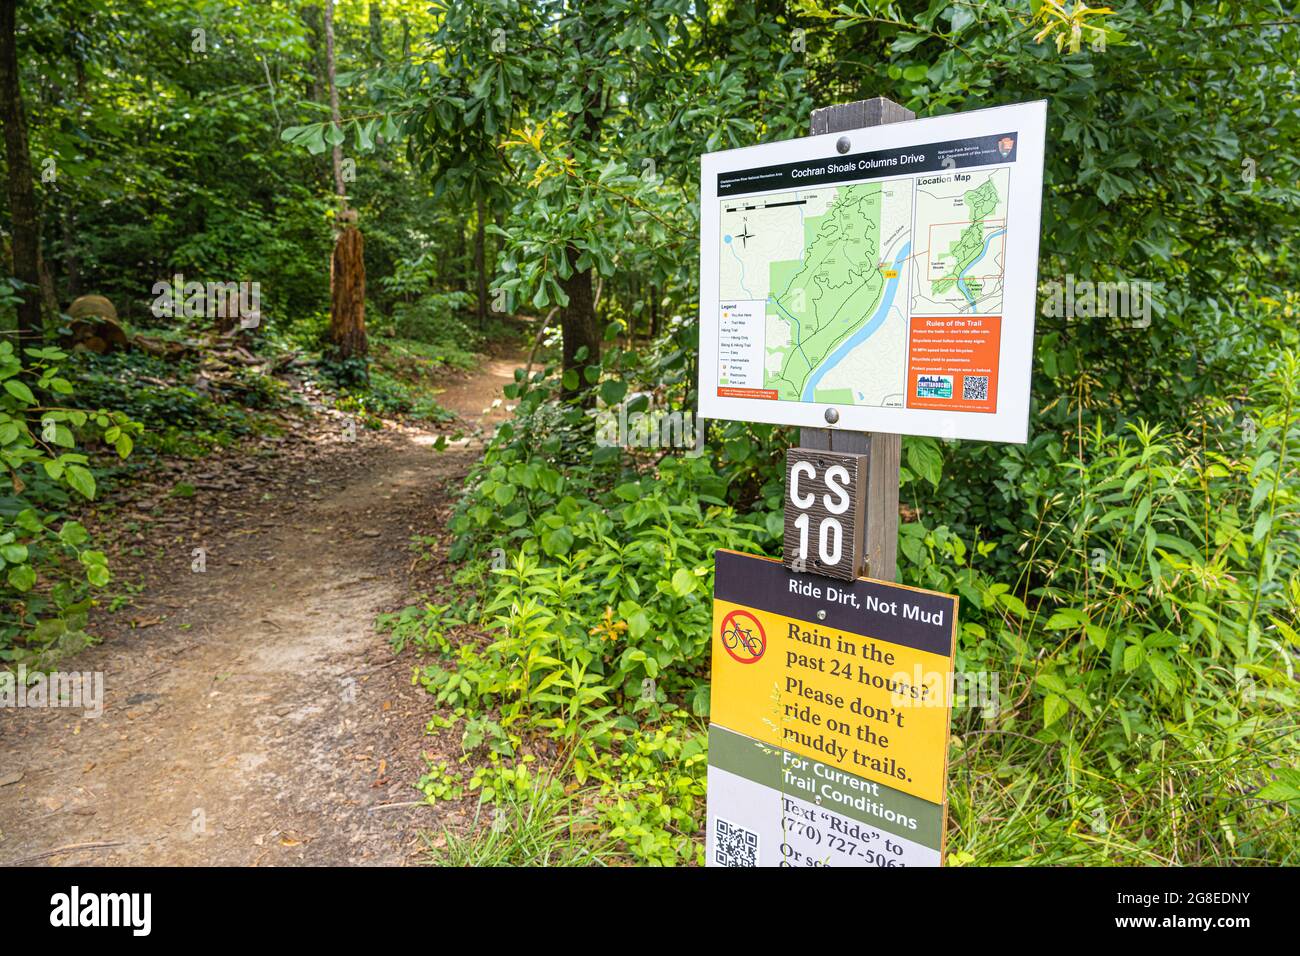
864,333
961,279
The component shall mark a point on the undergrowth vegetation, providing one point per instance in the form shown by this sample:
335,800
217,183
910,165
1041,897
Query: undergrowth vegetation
1128,578
1138,629
51,568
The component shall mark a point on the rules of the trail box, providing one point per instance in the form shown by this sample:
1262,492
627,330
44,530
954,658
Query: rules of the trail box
828,740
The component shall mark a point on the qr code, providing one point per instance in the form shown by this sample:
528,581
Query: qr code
975,387
733,845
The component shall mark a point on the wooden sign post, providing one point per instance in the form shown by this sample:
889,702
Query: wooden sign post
879,504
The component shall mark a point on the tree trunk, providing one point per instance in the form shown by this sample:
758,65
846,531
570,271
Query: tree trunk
348,264
348,295
578,324
376,34
26,226
578,321
71,257
311,18
480,263
314,21
337,153
49,298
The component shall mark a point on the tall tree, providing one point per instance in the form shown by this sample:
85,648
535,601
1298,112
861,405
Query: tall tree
376,33
585,122
22,192
480,259
348,264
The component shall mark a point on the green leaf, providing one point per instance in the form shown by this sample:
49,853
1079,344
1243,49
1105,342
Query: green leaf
81,480
22,577
1014,604
1285,787
1052,682
925,459
905,42
1096,635
366,136
700,699
683,582
1054,708
1164,671
557,542
612,391
73,534
962,17
638,624
20,391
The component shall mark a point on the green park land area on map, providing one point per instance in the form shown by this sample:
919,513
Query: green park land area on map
817,303
967,250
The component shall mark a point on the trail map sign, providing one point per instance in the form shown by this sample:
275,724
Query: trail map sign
828,740
879,279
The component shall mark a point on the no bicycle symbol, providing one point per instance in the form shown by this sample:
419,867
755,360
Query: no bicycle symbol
743,636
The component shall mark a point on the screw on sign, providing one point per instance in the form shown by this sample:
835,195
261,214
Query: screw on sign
743,636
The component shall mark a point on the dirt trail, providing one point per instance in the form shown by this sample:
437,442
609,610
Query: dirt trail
252,716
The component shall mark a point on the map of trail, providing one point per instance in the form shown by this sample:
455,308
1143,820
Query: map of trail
825,266
818,286
886,289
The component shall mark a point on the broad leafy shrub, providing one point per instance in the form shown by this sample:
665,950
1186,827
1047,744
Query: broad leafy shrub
46,557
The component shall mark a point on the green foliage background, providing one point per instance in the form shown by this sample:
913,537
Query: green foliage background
1129,575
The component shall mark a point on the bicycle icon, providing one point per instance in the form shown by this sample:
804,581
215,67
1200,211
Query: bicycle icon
743,637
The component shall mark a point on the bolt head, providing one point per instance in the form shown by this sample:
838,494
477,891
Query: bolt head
842,144
821,615
832,415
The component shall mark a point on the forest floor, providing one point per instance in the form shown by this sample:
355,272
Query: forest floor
252,715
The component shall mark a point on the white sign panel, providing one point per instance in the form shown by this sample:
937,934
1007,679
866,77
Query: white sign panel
892,281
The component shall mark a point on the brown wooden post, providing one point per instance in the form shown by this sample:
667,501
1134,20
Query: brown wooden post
883,451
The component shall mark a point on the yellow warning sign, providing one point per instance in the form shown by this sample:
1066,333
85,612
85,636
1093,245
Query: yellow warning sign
852,674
